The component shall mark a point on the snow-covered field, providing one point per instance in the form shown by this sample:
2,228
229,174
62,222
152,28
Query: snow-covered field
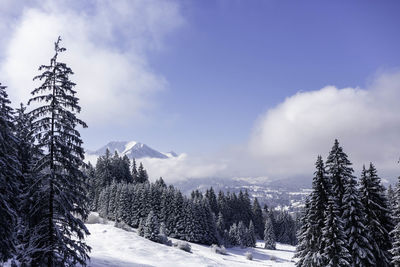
112,246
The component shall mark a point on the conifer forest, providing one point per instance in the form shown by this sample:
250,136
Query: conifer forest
62,204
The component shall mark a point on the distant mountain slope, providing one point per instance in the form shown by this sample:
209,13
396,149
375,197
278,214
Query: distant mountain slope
132,149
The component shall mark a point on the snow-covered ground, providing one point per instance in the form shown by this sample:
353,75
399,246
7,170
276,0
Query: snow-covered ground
112,246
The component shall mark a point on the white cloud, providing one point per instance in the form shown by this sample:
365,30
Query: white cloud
107,47
182,167
288,138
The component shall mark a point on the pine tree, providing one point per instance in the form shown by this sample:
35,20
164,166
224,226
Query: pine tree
395,234
212,199
151,227
9,173
62,193
142,176
134,172
304,248
357,235
309,248
339,171
391,196
333,240
378,221
258,219
269,234
233,240
220,224
251,235
27,154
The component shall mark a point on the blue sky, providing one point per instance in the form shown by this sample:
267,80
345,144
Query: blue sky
235,59
228,83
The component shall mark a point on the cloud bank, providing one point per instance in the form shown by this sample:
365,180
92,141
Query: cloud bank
107,47
366,121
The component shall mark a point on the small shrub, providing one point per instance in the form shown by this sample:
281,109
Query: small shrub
219,250
185,246
163,239
273,258
94,218
249,255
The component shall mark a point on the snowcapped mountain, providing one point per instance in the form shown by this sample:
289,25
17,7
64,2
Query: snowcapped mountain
132,149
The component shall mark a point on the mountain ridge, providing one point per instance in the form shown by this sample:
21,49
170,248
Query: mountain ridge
132,149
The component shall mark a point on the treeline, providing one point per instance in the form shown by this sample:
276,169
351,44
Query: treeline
347,222
122,192
43,199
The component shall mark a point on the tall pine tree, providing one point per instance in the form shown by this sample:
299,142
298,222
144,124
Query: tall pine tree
9,173
378,219
395,234
62,184
357,235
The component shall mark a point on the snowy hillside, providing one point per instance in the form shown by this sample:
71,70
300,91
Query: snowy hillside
131,149
112,246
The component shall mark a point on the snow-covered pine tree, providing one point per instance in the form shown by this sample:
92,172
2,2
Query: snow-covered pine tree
220,224
9,173
241,234
378,220
305,238
27,156
212,200
269,234
333,239
142,176
233,240
63,190
309,248
391,196
134,172
258,219
357,235
286,231
251,235
178,227
339,171
395,234
151,227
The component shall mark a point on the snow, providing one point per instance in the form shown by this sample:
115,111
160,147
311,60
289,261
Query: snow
112,246
129,146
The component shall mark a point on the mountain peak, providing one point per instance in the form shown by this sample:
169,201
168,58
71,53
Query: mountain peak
133,149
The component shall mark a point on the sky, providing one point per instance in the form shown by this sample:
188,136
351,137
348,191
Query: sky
238,88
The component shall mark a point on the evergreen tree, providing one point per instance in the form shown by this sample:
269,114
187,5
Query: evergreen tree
391,196
309,248
304,249
377,214
62,193
151,227
395,234
269,234
9,173
251,236
286,230
142,176
357,236
220,224
258,219
339,171
212,199
232,235
134,172
333,240
27,155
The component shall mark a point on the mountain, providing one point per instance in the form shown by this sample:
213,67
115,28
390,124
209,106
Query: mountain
133,149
